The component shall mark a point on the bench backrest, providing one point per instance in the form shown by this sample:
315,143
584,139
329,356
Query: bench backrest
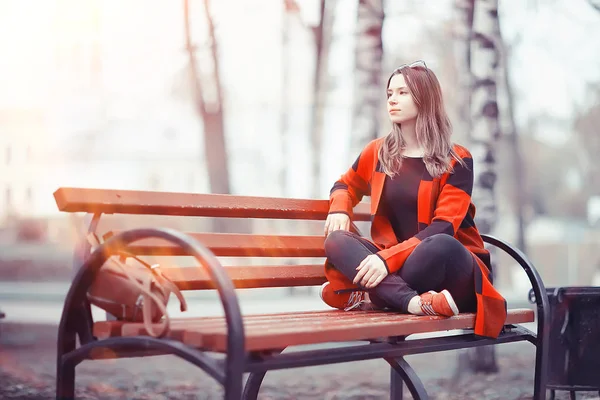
103,201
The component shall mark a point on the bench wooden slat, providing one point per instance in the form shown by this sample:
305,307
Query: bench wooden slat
277,331
216,325
342,329
106,329
198,205
254,276
238,245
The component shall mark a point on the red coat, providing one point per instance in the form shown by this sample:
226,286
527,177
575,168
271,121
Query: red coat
444,206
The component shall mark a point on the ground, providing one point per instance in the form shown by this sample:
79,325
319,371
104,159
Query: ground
27,371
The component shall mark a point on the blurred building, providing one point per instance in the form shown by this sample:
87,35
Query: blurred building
22,168
104,89
87,101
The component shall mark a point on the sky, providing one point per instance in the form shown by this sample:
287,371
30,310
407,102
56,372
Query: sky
556,54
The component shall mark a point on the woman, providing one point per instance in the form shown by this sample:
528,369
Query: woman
427,257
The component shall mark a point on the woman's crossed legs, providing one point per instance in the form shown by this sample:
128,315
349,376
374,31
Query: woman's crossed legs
439,262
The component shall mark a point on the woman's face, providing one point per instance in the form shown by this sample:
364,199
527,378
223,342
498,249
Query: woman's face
401,106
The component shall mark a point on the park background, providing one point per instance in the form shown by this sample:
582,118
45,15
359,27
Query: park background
276,98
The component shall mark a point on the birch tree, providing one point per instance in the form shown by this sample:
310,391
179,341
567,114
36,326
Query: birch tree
289,15
485,128
368,69
482,56
462,33
322,34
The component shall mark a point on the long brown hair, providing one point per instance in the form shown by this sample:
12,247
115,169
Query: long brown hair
433,127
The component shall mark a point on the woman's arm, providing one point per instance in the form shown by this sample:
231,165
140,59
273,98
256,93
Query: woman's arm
349,190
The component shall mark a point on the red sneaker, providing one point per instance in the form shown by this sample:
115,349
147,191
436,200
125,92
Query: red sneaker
434,303
343,301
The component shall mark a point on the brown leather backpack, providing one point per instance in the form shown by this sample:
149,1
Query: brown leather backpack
133,290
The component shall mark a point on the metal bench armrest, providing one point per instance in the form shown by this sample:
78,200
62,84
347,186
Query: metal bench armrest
543,309
85,276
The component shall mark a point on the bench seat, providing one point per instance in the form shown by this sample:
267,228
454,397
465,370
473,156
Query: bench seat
278,331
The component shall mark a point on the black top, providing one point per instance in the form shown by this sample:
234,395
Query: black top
400,195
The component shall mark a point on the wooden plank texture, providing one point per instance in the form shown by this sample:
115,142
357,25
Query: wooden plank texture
276,331
238,245
253,276
198,205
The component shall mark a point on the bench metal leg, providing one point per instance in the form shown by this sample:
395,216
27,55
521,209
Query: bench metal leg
254,381
234,371
253,385
409,376
396,385
541,361
233,391
65,381
65,368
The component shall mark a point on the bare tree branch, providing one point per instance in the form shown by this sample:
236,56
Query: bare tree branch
211,113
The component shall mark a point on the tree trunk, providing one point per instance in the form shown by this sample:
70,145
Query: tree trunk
483,58
463,30
485,131
209,106
322,34
518,166
368,65
290,7
207,95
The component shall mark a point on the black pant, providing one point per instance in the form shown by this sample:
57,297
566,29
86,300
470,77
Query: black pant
438,262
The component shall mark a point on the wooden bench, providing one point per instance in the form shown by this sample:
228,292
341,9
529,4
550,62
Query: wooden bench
254,343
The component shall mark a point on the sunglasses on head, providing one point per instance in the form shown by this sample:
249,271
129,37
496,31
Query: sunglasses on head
418,63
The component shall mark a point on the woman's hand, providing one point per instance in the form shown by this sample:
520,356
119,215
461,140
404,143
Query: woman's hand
371,272
336,222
